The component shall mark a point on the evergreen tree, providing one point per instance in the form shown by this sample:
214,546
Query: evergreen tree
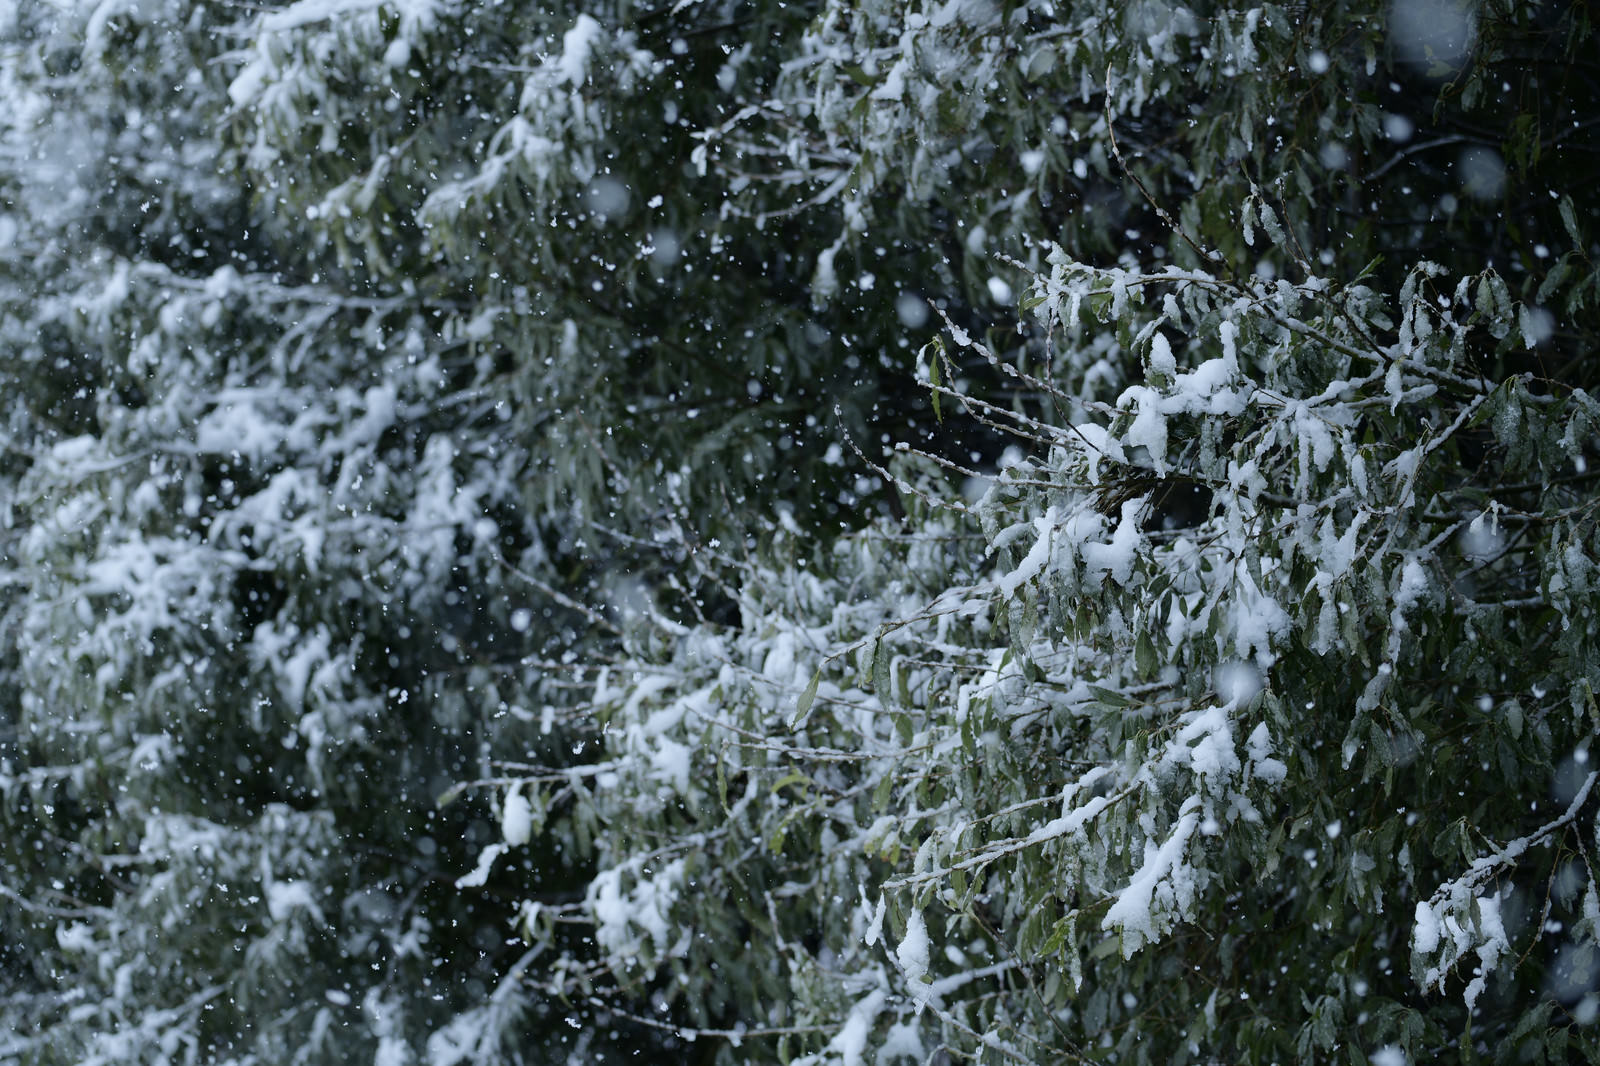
318,499
747,531
1245,714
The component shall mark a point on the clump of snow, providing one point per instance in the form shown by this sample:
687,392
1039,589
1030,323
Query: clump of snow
1032,564
1413,584
516,818
1205,744
1388,1055
1257,620
1339,550
875,927
1262,765
577,48
913,949
1161,359
671,762
912,310
1425,929
624,918
1236,681
1482,540
285,898
1117,557
851,1040
1162,887
75,937
480,873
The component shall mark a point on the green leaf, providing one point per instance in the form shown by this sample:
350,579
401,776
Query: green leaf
882,684
1512,713
1145,659
793,777
1553,280
722,778
1109,697
802,710
1064,929
857,75
1569,219
882,791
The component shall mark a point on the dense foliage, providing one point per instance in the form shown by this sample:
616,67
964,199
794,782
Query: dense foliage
828,532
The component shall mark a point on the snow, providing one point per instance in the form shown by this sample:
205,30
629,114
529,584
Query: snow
1074,818
1149,427
1482,539
516,818
480,873
1237,681
1116,558
240,424
672,762
1262,765
306,12
913,949
1228,334
1425,929
913,954
780,662
1338,551
825,279
875,927
1315,437
851,1041
577,50
893,86
622,916
1413,585
1493,944
76,937
362,424
1205,744
96,29
902,1041
1161,360
1163,883
287,898
1257,619
1032,564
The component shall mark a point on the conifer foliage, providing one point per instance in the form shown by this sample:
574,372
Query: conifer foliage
830,532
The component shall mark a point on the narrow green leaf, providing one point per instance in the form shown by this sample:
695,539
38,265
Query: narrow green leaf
802,710
722,779
1110,698
881,793
857,75
1569,219
1144,655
